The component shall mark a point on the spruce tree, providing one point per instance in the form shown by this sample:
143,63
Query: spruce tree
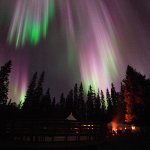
39,92
121,105
110,106
54,114
4,82
30,95
46,102
103,107
114,97
62,106
97,106
82,107
134,94
76,101
90,103
69,102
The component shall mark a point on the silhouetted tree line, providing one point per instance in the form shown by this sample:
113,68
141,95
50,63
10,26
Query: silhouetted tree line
93,106
131,104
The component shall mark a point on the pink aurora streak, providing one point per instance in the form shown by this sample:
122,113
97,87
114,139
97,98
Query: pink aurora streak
94,34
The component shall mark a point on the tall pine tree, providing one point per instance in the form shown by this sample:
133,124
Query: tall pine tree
46,103
97,106
90,103
4,82
30,95
82,107
62,106
110,106
69,102
39,92
114,97
103,107
76,101
134,93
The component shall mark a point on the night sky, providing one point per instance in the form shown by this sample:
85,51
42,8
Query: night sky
91,41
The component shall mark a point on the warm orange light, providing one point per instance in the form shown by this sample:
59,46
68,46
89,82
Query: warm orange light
84,125
114,126
76,128
133,127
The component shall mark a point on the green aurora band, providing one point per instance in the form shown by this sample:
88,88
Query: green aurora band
30,21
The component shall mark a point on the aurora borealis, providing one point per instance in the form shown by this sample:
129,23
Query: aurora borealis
30,21
91,41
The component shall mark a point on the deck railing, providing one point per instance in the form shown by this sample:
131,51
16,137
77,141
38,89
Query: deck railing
50,131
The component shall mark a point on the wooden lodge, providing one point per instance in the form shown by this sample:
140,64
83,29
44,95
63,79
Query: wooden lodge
43,131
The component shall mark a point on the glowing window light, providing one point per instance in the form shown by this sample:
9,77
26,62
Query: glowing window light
84,125
133,127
